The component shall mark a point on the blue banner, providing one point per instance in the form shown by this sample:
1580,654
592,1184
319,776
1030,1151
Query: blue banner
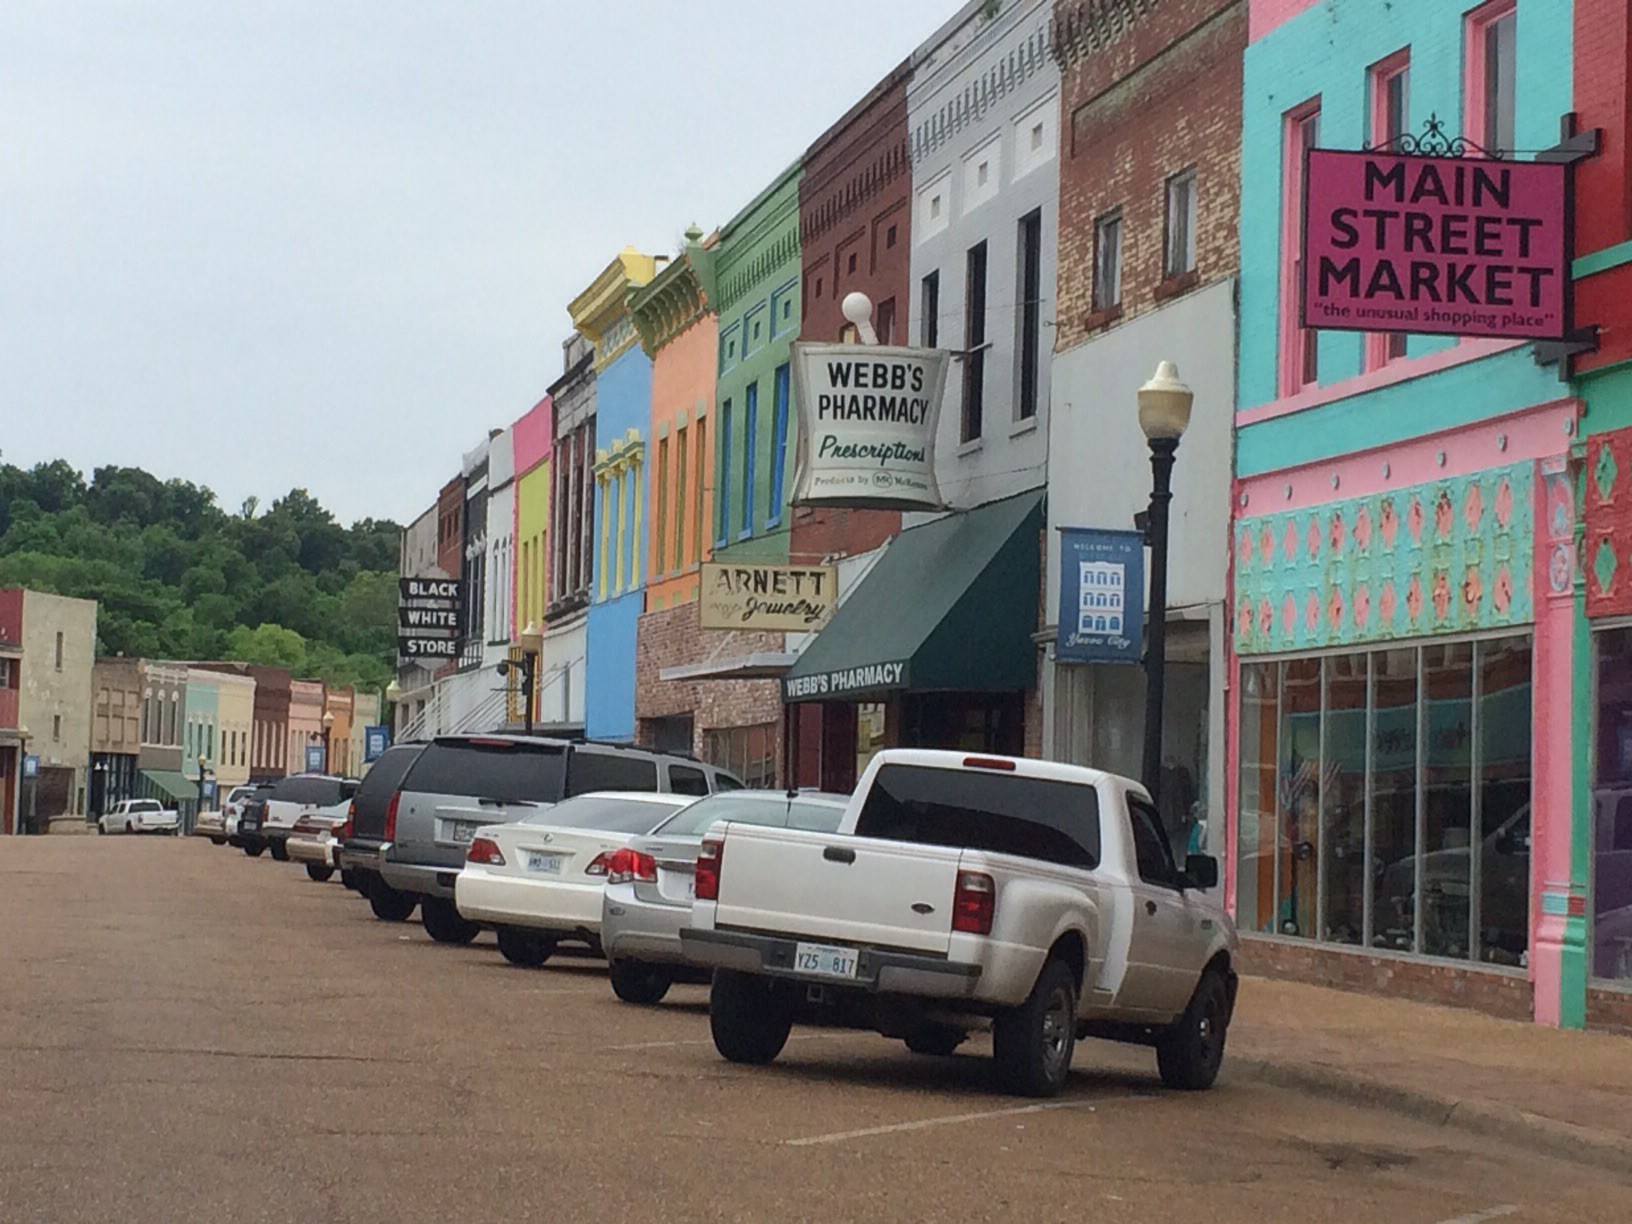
31,766
1102,596
375,741
315,758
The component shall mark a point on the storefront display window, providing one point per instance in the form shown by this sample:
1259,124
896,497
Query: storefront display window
748,752
1612,811
1388,792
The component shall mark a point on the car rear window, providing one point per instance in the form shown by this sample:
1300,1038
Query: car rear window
146,805
505,770
607,813
388,772
774,810
324,792
1055,822
610,770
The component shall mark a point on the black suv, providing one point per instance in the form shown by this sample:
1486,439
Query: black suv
363,841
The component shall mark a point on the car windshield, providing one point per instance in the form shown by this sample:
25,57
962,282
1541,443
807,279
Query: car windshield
610,813
818,814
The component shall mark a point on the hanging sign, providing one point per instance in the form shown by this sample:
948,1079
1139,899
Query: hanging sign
375,741
430,617
1102,596
779,598
867,416
1459,246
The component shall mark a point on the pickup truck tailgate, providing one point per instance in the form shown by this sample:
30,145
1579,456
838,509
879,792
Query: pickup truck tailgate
827,886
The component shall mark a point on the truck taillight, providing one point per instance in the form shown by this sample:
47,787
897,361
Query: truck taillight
974,903
344,831
627,866
391,817
709,861
485,851
982,762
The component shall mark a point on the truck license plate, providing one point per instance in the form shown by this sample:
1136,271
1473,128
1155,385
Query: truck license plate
825,960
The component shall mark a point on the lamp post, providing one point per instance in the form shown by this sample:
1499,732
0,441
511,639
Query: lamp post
33,783
393,695
190,824
328,727
531,647
1164,413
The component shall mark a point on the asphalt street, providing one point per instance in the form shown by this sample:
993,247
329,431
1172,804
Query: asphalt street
188,1034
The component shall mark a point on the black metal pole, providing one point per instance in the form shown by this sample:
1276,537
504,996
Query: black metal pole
1162,452
529,662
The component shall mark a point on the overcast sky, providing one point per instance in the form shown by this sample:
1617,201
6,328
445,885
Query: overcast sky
262,244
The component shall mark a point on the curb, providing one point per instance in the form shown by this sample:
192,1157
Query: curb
1562,1140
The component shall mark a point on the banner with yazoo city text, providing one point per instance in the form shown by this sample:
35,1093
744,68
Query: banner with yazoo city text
1102,596
867,416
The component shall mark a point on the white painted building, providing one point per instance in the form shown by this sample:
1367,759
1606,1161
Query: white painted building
983,124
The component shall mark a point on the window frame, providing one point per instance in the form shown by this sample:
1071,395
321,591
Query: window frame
750,456
1029,313
1299,347
1105,299
929,309
661,529
1477,117
977,265
722,499
1185,178
782,394
1384,347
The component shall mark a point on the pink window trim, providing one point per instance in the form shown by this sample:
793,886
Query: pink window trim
1376,354
1290,375
1473,74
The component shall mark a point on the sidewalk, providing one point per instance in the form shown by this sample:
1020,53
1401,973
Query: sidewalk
1566,1093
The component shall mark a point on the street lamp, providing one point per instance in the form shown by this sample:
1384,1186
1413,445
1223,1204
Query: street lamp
202,762
393,696
22,766
528,665
1164,413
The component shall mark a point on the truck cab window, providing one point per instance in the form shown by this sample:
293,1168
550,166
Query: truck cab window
1150,846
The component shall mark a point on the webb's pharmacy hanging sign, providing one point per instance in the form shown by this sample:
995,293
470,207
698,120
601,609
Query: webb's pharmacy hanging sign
1452,245
867,417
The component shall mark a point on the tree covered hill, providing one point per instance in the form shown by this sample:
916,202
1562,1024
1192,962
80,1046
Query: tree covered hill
178,577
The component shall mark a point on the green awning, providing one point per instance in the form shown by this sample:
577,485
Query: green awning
950,606
170,784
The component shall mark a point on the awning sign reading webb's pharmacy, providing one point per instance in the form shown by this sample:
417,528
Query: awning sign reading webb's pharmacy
867,416
1456,246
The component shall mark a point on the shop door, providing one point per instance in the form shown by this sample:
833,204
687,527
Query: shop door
838,747
8,790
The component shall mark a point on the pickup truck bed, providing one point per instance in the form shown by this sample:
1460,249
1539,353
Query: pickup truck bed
961,892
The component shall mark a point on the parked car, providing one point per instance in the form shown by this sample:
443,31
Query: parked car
233,807
961,891
139,816
460,783
299,795
363,844
211,824
539,880
650,889
314,840
246,835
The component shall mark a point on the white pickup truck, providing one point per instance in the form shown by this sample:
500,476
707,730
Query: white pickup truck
961,892
139,816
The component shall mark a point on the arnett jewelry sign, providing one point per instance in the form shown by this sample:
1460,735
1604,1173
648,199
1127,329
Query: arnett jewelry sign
779,598
867,417
1457,246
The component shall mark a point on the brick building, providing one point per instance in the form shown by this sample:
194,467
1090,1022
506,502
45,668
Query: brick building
116,732
47,653
1149,198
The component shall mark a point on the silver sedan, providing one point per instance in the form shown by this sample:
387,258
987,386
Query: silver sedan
652,883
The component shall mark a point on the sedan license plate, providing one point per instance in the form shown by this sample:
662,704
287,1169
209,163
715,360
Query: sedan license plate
547,864
825,960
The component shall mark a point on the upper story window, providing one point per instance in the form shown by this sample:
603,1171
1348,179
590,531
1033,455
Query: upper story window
1029,318
1108,261
1299,349
1390,104
1492,70
750,455
974,343
779,445
929,311
1181,224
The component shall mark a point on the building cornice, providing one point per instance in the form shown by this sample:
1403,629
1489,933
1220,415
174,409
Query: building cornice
759,240
601,312
1029,54
677,296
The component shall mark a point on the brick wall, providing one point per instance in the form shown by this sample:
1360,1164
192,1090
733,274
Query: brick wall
1609,1010
1506,995
672,638
1140,102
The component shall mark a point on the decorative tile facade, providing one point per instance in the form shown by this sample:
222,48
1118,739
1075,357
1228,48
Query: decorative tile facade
1608,551
1454,556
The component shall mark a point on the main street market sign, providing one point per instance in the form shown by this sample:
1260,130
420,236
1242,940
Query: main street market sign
1448,245
867,416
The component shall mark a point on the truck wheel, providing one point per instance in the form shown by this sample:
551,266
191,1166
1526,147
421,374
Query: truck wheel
525,948
280,851
936,1040
1190,1052
444,924
318,872
388,904
634,982
254,849
218,841
348,879
1032,1043
750,1023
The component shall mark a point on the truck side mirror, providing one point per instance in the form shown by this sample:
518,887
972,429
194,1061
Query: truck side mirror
1201,871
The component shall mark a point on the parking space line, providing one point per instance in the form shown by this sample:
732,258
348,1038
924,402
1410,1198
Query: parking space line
1479,1217
954,1119
691,1041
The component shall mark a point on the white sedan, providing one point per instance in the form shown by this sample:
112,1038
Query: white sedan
539,881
